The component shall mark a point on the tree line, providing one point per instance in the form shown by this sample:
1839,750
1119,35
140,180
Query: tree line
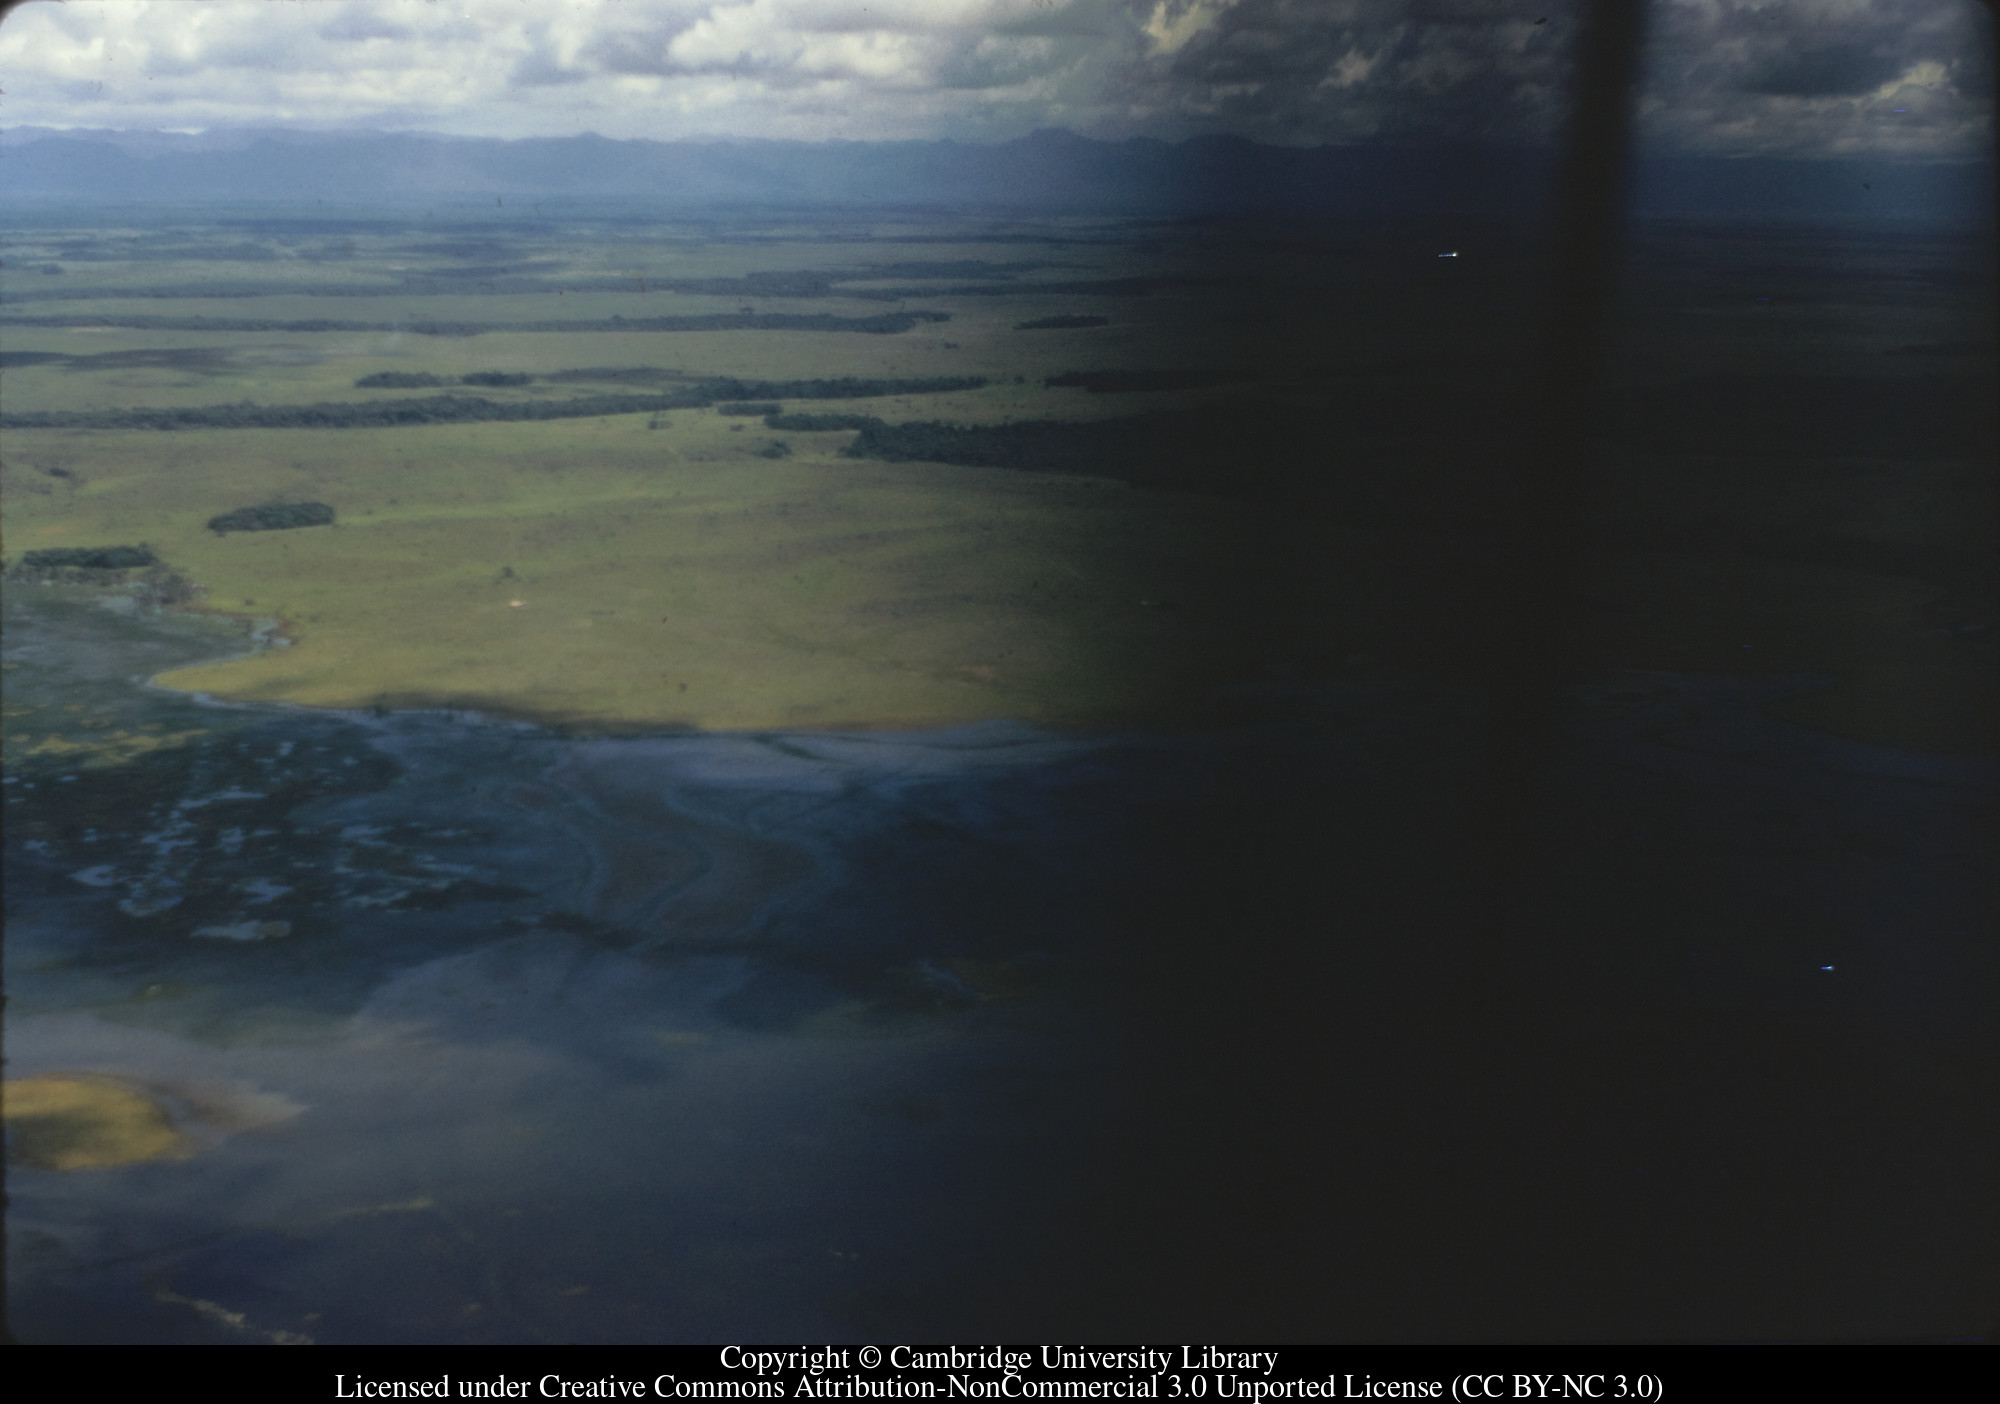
90,558
283,516
469,409
882,324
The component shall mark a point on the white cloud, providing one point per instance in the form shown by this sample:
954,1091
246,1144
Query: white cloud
625,68
1174,22
1353,67
1734,75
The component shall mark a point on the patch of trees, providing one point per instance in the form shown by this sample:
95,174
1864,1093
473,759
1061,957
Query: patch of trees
398,380
157,584
777,284
819,423
91,558
1096,287
1040,445
495,378
1062,323
367,414
1122,382
1226,450
529,277
777,448
274,517
258,324
488,270
150,251
954,268
749,409
419,286
886,323
844,388
472,409
633,375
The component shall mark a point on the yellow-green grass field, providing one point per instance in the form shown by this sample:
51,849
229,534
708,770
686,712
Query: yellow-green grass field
666,575
606,575
1162,330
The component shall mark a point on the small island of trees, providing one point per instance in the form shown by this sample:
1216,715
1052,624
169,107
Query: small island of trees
90,558
275,517
820,423
398,380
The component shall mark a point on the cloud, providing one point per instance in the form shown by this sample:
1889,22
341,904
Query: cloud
1818,78
1824,70
1174,22
357,24
1772,76
539,69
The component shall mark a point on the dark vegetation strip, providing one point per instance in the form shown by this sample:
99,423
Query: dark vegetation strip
635,375
514,278
286,516
1119,382
91,558
1096,287
1244,449
1062,323
1261,448
820,423
367,414
469,409
886,323
399,380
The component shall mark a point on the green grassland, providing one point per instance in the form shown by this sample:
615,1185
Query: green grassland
614,575
657,570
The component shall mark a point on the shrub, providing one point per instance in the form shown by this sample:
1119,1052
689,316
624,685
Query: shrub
397,380
820,423
1118,382
90,558
747,408
277,517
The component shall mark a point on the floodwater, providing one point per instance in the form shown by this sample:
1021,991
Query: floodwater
420,1028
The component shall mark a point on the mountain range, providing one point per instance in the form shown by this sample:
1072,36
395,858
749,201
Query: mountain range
1050,171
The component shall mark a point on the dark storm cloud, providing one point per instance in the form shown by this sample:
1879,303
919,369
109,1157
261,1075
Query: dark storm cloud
1818,77
1304,71
1837,70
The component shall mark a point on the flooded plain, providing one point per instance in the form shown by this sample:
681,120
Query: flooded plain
422,1027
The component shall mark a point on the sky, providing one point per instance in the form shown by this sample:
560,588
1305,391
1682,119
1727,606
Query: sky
1894,78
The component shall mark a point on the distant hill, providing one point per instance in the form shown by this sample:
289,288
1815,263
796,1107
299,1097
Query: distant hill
1047,172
